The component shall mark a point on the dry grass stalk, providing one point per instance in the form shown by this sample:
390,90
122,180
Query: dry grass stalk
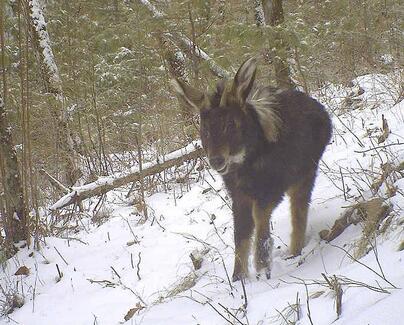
372,213
197,256
289,315
182,285
386,131
335,286
401,246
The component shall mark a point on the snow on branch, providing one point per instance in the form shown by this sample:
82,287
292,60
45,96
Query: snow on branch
42,42
216,69
152,8
201,54
108,183
259,13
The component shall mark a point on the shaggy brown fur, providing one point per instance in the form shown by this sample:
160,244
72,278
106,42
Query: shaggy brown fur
265,142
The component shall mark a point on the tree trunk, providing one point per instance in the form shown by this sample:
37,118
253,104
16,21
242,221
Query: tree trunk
259,13
273,11
41,42
15,220
53,85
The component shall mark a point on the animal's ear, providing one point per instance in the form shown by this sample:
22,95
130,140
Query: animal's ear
191,96
244,79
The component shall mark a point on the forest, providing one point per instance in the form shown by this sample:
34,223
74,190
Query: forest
109,209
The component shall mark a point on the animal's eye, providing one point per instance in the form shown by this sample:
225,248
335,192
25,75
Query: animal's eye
207,133
230,125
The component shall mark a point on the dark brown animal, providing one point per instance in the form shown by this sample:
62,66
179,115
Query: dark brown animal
264,142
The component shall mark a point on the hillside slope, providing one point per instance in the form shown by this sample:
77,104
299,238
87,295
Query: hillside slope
123,264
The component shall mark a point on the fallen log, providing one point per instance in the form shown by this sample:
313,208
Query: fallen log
108,183
373,211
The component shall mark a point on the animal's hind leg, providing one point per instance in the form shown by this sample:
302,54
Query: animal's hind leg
263,240
243,227
300,195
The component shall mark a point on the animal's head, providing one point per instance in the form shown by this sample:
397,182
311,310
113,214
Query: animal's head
225,115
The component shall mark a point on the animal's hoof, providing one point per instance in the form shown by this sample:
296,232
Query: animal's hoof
237,277
266,272
295,251
289,257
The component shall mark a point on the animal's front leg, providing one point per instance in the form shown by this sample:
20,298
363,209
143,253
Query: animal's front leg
243,227
263,241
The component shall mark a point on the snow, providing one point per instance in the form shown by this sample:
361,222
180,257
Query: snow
152,8
218,70
76,191
101,279
44,41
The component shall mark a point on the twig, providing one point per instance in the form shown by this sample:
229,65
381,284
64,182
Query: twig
380,147
343,280
155,219
350,131
107,283
55,182
244,294
60,273
76,239
192,237
101,198
283,317
374,249
364,265
343,183
131,230
212,220
230,322
218,194
117,274
338,296
60,255
297,306
308,303
138,266
334,285
230,313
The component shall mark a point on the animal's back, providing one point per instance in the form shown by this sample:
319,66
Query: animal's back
305,131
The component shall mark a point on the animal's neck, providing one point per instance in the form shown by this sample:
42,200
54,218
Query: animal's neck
255,138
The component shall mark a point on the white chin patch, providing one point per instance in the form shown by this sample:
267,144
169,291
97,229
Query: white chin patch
238,158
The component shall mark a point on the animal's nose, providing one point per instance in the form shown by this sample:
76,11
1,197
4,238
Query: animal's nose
217,162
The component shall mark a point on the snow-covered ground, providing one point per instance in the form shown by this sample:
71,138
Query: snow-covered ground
125,265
